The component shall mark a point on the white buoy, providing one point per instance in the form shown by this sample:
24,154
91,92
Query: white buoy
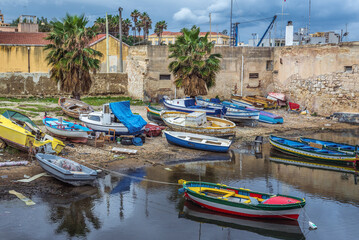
312,226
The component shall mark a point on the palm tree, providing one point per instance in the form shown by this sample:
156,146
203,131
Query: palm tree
194,67
101,24
126,25
70,57
135,15
139,27
147,24
160,26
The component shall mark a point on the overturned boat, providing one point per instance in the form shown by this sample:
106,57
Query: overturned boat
18,131
117,116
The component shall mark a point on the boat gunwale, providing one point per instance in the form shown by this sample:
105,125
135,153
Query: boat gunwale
260,206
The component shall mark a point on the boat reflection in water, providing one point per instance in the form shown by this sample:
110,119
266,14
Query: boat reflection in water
278,157
281,229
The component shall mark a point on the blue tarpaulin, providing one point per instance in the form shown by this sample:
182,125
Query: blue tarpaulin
122,111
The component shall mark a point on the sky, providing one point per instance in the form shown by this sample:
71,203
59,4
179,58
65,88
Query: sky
254,16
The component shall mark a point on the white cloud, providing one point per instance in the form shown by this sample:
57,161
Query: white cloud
186,15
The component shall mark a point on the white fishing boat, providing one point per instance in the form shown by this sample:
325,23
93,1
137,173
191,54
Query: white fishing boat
117,120
199,123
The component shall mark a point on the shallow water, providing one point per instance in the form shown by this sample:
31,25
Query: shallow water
129,208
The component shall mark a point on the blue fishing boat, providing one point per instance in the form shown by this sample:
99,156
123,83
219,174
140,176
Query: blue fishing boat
197,141
234,113
297,148
68,130
341,147
265,117
189,105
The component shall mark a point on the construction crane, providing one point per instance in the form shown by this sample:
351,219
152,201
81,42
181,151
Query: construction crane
269,27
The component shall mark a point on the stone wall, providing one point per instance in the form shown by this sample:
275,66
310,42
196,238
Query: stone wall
147,68
325,79
39,84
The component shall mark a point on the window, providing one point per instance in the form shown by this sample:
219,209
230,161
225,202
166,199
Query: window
94,118
253,75
269,65
348,69
165,77
169,42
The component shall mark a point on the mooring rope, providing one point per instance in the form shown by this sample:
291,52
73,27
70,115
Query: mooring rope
134,177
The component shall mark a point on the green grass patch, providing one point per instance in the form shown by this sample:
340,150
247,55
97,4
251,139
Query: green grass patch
41,108
30,99
98,101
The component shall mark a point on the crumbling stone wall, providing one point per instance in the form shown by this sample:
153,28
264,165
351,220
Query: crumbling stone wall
149,77
323,78
40,84
137,70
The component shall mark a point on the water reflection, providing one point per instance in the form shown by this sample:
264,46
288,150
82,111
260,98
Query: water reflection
133,208
75,217
280,229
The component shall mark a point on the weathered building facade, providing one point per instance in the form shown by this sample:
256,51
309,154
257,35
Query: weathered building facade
323,78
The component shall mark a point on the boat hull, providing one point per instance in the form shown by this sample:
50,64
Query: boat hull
194,145
70,177
19,138
208,111
75,136
351,160
74,108
229,200
154,114
245,212
120,130
210,131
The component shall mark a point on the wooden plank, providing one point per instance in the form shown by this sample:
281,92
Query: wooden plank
316,145
123,150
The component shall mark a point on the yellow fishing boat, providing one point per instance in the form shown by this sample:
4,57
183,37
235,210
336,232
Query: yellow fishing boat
265,102
27,137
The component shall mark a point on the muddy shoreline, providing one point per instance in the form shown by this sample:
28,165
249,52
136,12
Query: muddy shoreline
155,151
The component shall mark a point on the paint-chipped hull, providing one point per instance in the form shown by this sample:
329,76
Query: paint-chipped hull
225,131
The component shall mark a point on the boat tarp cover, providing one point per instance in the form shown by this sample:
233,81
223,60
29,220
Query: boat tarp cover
122,111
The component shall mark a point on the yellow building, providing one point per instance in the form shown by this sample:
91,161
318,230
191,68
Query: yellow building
25,52
170,37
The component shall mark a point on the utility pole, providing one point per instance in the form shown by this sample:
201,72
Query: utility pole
230,27
310,3
107,51
210,30
120,32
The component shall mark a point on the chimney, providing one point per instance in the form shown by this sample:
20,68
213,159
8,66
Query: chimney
289,34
